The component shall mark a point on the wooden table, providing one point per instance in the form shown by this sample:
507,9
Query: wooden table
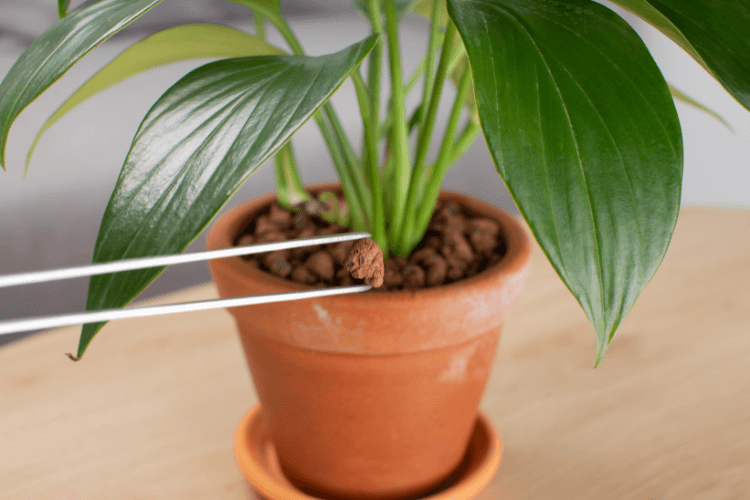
151,410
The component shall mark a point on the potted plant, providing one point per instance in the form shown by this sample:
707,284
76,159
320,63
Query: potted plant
577,117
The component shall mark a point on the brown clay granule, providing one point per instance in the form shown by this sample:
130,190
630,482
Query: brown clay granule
365,262
458,244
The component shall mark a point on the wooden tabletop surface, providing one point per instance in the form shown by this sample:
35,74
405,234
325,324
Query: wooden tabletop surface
151,410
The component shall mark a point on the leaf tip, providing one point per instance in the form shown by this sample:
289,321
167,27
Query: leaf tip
88,331
28,160
370,41
601,349
62,8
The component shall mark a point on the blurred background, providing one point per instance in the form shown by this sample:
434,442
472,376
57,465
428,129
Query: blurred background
50,218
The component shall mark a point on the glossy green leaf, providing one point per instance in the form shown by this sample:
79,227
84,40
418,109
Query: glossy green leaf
56,50
716,33
583,130
686,99
191,41
195,147
62,8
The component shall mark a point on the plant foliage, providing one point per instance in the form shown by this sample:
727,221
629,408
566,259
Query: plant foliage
576,115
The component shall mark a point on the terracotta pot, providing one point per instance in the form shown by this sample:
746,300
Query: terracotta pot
374,394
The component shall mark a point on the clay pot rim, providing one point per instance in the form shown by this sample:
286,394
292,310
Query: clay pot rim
225,229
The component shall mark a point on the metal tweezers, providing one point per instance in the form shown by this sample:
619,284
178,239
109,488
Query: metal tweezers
56,321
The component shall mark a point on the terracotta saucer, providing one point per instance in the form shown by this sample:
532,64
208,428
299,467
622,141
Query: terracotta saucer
257,459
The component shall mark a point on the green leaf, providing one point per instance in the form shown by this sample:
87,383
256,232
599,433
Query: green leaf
583,130
713,32
686,99
195,147
180,43
56,50
62,8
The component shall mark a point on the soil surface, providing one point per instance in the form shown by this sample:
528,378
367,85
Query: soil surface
457,245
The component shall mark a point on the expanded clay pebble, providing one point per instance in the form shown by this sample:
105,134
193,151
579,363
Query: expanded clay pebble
365,262
457,245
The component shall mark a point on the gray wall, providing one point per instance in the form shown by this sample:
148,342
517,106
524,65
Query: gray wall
50,219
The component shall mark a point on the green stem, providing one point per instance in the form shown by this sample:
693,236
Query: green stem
434,183
465,140
415,118
370,155
336,154
289,188
412,122
456,56
350,161
347,184
415,76
372,133
276,19
425,134
260,26
432,45
338,143
375,62
399,136
291,40
363,99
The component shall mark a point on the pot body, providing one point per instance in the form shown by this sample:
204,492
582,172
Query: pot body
371,395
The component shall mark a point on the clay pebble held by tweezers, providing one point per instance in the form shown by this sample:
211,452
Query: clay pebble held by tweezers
365,262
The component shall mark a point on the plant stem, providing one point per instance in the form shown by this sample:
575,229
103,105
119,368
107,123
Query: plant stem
432,45
412,122
375,63
260,25
338,144
350,162
347,185
289,188
432,189
374,75
457,55
363,98
465,139
291,40
399,136
370,155
425,134
343,168
419,71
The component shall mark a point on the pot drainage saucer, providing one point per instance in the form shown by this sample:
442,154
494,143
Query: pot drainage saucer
257,459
